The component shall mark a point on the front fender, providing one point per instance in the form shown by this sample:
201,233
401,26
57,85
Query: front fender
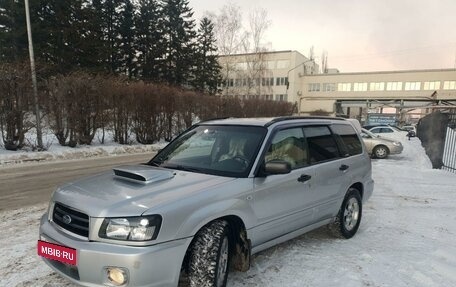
228,207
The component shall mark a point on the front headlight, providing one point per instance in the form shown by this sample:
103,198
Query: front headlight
142,228
397,143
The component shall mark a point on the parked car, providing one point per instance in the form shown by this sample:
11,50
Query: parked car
380,147
219,192
411,130
386,130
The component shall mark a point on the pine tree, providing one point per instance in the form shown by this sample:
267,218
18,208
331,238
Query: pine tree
179,45
150,40
127,56
13,30
207,72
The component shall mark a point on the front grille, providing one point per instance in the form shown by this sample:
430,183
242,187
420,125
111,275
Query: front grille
79,222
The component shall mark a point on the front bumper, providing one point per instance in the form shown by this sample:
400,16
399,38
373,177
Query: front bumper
156,265
394,149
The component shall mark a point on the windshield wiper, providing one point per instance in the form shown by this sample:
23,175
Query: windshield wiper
181,167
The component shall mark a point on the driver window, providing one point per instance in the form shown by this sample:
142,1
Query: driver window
289,146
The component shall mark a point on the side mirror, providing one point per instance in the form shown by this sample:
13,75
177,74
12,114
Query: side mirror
276,167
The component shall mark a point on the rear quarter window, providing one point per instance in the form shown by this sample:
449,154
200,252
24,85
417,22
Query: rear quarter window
348,139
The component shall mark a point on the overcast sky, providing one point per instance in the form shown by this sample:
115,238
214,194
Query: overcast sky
359,35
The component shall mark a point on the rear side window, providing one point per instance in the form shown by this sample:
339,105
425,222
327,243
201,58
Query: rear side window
348,139
321,143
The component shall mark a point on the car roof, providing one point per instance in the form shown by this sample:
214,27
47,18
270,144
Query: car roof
267,121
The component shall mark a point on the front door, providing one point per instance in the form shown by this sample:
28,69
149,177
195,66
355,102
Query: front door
282,202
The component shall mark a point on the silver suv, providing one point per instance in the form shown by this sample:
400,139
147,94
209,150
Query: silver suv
221,191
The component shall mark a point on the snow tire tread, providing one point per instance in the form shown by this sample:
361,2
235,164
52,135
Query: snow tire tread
202,264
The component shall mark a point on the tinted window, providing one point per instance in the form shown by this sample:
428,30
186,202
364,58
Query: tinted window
289,146
349,140
386,130
322,146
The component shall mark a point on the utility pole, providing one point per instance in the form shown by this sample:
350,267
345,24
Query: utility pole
39,135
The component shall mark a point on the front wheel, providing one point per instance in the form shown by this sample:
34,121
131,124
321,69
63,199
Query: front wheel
209,256
348,219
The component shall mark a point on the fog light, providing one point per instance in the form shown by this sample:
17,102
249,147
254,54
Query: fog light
116,276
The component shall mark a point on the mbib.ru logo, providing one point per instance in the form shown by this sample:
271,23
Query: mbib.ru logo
57,252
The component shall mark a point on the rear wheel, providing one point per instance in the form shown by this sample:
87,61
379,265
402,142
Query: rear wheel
209,256
381,151
348,219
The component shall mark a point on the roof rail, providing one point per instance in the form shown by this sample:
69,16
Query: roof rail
287,118
212,119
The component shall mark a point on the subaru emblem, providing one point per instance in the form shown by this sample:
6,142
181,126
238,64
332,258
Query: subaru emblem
67,219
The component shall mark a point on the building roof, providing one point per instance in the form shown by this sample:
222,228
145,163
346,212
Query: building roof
385,72
266,52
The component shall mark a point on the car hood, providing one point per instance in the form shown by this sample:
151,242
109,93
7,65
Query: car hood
131,190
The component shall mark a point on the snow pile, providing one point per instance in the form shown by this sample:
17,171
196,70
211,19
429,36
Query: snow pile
406,238
58,152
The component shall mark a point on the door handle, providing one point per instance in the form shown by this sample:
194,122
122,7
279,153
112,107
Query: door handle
304,178
343,167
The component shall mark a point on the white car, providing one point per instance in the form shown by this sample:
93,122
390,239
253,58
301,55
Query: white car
383,130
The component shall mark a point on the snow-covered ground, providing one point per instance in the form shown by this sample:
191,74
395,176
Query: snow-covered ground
57,152
407,238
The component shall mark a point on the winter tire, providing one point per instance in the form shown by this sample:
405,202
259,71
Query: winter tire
209,256
348,219
380,151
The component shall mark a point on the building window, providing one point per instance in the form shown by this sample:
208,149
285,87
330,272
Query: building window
283,81
344,87
329,87
237,82
230,82
360,87
281,97
314,87
379,86
449,85
412,86
432,86
283,64
267,81
394,86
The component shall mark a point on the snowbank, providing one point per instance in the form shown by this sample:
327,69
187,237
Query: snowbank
58,152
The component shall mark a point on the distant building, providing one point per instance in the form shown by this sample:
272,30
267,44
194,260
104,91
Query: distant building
409,94
290,76
270,75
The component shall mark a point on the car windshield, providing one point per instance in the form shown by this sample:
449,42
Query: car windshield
368,133
220,150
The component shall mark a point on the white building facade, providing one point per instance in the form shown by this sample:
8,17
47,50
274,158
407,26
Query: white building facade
270,75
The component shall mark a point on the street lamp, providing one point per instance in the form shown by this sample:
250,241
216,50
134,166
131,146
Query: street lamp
288,80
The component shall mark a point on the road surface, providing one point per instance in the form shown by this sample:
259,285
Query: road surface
30,184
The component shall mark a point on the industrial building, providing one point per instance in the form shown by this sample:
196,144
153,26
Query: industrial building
290,76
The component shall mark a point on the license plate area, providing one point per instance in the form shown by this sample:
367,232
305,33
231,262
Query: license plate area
57,252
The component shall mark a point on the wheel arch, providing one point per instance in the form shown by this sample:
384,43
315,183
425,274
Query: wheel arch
240,244
358,186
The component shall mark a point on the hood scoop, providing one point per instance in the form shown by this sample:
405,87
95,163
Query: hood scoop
142,173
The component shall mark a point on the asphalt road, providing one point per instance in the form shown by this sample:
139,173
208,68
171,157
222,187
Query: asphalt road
30,184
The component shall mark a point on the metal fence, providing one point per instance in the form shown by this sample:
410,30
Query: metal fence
449,152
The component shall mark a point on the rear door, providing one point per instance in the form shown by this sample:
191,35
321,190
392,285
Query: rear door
332,171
